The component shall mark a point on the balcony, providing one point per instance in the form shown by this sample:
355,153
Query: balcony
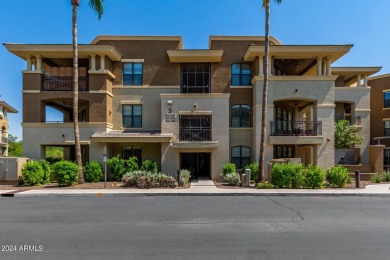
296,128
55,83
197,134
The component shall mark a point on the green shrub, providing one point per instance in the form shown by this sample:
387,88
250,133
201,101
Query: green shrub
386,176
47,171
377,178
229,168
185,176
149,166
264,185
33,174
117,167
254,167
337,176
132,164
313,177
146,180
232,179
66,173
287,175
93,172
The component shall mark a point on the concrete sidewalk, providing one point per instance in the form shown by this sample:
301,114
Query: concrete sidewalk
204,188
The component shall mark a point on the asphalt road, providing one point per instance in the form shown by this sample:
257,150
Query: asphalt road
195,228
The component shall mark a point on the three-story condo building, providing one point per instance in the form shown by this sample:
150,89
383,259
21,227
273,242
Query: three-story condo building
197,109
4,110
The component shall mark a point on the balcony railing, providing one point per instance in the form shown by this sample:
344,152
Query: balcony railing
195,134
357,120
4,140
195,89
54,83
296,128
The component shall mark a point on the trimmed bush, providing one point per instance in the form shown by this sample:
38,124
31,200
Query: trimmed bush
254,167
47,171
232,179
33,174
117,167
386,177
149,166
313,177
264,185
93,172
287,175
147,180
66,173
185,176
337,176
168,182
132,164
377,178
228,168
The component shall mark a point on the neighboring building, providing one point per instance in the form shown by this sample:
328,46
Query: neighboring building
380,114
4,110
151,98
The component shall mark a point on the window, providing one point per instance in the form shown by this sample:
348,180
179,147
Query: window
132,116
132,74
132,151
283,151
241,74
241,116
241,155
387,128
195,78
386,96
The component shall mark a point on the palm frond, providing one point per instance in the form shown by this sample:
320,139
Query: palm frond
97,6
265,2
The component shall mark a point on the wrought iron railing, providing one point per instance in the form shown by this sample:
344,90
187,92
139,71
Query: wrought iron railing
54,83
195,134
357,120
296,128
195,89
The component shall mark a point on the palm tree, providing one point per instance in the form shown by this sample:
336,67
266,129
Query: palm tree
97,6
266,5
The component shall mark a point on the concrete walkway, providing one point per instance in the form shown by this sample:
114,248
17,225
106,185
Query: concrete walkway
205,188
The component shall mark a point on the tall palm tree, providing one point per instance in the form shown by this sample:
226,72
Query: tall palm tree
266,5
97,6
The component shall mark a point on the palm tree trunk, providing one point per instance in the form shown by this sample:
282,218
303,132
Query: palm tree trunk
265,94
75,5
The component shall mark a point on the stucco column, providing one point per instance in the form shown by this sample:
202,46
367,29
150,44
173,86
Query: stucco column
328,66
319,66
270,65
29,63
93,62
376,157
359,80
365,80
102,62
261,65
39,63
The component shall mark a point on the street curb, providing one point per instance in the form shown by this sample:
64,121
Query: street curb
21,195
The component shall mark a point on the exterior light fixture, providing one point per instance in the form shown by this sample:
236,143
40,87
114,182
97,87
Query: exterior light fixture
169,102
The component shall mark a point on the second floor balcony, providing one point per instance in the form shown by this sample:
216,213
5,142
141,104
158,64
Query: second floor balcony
296,128
56,83
195,134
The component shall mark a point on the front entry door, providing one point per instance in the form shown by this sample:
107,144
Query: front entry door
197,163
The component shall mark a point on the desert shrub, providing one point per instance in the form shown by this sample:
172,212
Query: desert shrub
377,178
33,174
313,177
287,175
66,173
47,171
130,179
264,185
185,176
337,176
149,166
93,172
145,182
386,176
254,167
168,182
228,168
232,179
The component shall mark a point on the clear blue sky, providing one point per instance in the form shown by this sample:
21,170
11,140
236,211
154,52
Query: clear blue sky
360,22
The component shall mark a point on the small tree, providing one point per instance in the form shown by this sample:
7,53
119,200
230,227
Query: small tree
346,135
14,147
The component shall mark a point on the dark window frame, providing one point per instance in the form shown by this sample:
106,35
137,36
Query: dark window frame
240,75
386,102
132,153
241,115
386,130
204,85
284,149
132,116
131,83
241,159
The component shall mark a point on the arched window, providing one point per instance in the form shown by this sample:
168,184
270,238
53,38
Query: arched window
241,155
241,116
241,74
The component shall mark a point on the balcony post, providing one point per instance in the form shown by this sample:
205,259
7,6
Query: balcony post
270,65
328,66
102,62
261,65
93,62
365,80
359,80
319,66
29,63
39,63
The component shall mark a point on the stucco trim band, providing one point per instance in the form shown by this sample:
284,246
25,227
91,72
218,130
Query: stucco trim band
101,72
192,145
131,102
101,92
189,113
296,139
194,95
